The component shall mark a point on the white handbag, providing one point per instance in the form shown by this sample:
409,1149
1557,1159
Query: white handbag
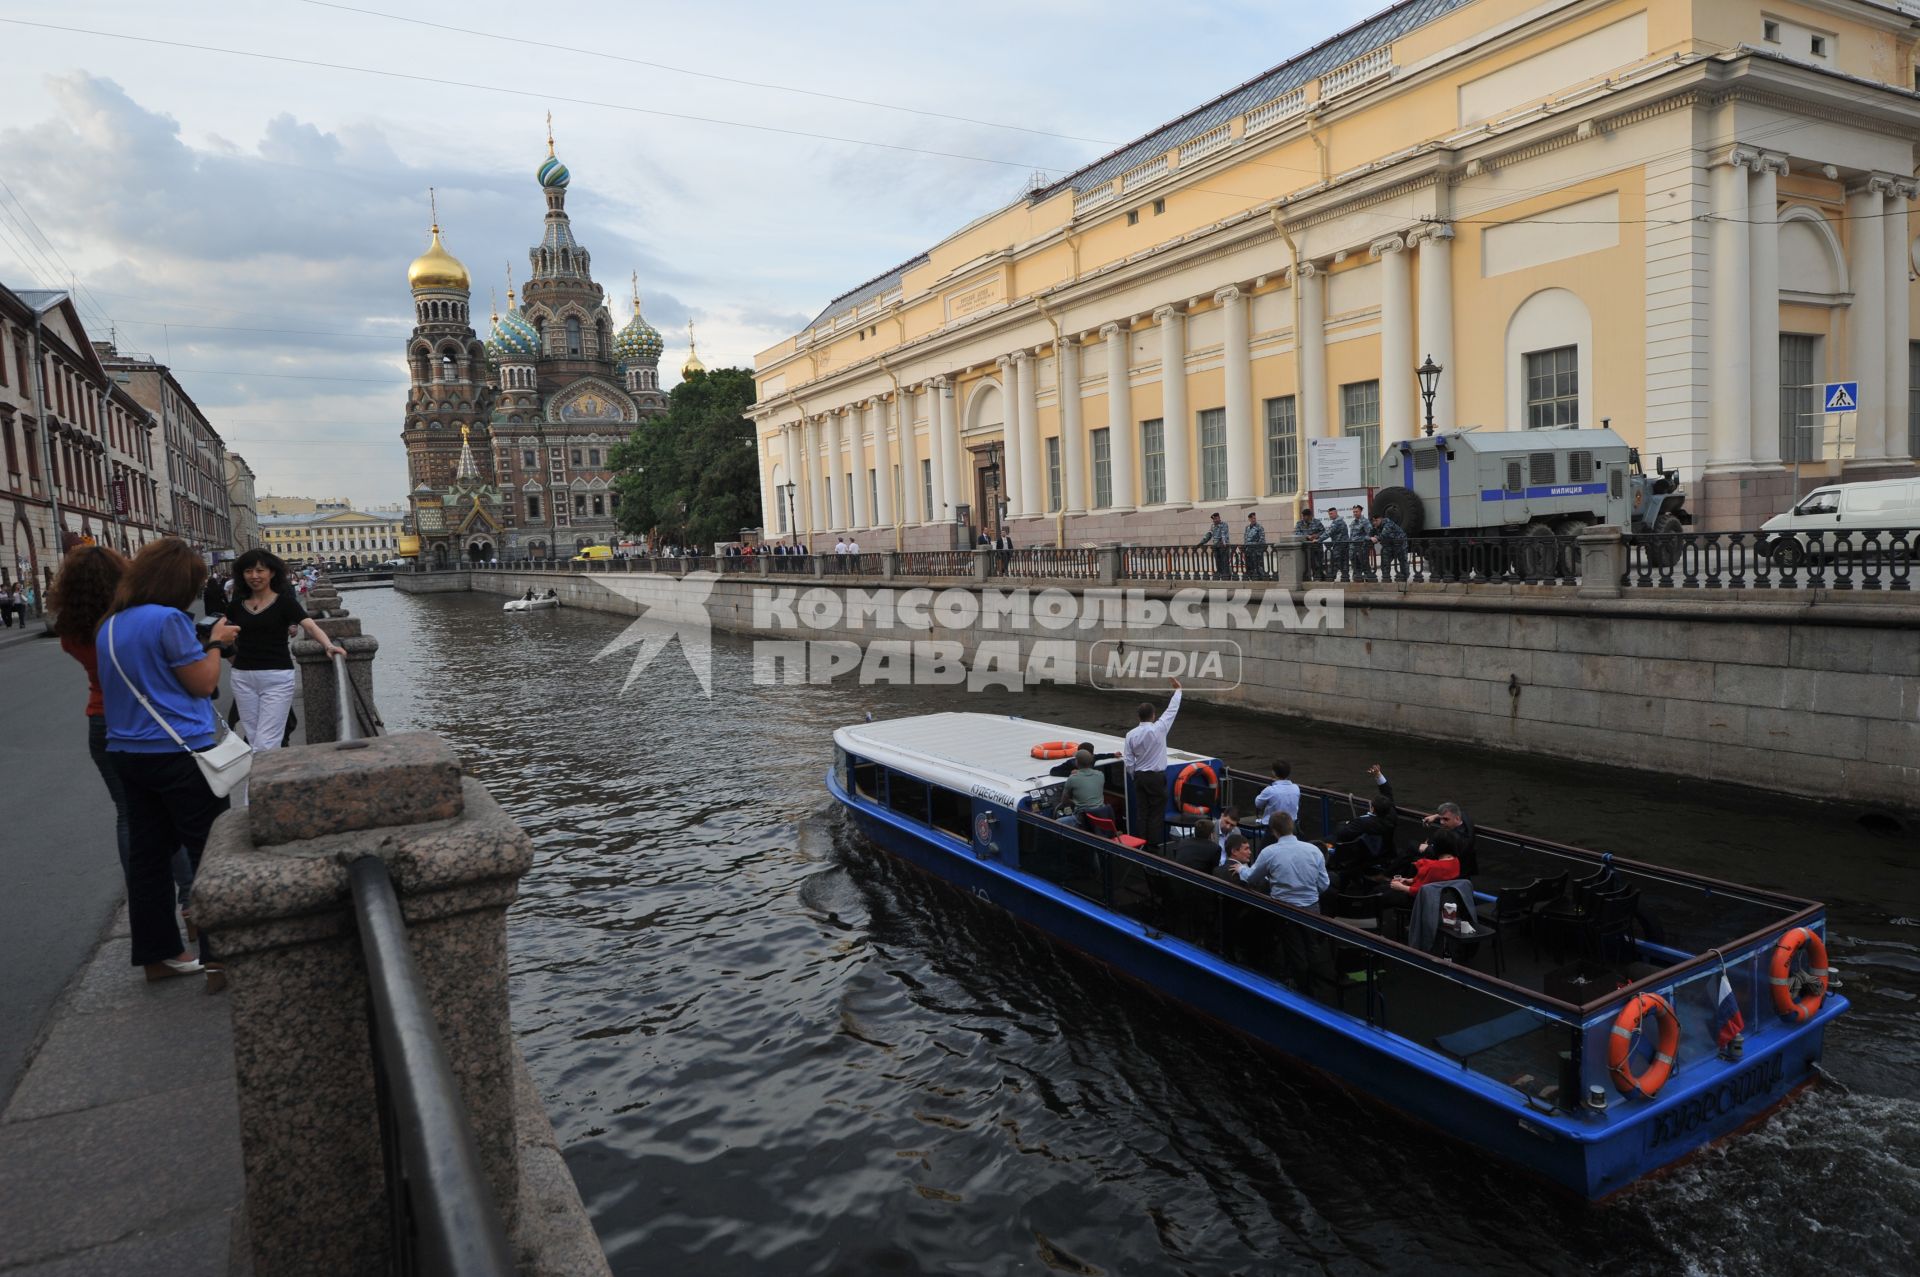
225,763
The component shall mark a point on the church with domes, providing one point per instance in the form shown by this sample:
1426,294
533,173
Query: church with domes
510,440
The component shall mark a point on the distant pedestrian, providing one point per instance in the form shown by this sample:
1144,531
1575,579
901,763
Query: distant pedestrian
1005,547
9,600
214,601
265,613
1312,533
1217,537
1336,543
156,683
1253,539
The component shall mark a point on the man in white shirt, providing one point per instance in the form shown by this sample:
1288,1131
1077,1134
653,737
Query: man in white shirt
1281,795
1289,869
840,554
1145,754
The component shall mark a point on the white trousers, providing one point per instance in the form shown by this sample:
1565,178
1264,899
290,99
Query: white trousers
263,698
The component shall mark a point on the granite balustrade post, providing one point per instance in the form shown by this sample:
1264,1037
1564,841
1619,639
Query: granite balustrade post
273,892
1603,562
319,704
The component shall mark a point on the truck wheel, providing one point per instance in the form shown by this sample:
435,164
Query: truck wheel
1534,553
1404,508
1569,530
1664,550
1786,553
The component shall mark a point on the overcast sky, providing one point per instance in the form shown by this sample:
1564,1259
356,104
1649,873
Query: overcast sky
250,221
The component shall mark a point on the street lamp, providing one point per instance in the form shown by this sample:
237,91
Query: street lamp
793,523
994,453
1429,374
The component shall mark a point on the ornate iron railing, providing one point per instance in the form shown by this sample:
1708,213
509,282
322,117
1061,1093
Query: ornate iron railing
1046,563
1844,559
948,563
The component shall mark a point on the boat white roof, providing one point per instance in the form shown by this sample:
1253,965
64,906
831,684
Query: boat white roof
973,751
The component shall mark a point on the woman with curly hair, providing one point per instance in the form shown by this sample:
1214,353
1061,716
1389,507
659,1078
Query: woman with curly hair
266,610
156,678
81,597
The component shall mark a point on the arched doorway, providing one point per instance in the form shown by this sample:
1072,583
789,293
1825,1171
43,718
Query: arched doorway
439,556
537,549
480,551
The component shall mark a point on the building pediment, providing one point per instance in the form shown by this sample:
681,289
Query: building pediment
591,401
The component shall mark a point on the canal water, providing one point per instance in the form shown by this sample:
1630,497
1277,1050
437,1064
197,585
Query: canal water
769,1049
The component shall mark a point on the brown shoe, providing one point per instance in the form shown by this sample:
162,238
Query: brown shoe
216,978
168,968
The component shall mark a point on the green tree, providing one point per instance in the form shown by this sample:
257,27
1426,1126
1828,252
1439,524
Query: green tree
692,477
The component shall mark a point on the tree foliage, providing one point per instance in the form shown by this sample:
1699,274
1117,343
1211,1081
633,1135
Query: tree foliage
692,477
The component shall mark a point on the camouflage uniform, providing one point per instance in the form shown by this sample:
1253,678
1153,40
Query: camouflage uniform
1311,532
1336,543
1393,550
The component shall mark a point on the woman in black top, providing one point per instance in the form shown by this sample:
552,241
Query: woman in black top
266,610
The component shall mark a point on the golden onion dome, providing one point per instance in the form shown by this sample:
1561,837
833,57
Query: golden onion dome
437,268
693,364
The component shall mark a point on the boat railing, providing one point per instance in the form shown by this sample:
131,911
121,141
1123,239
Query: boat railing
1510,1034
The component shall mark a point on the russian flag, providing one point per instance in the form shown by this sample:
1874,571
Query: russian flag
1727,1015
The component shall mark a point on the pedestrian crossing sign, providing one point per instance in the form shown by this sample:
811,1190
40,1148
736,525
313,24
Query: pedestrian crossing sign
1842,396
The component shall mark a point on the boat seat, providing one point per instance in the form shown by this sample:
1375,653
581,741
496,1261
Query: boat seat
1105,828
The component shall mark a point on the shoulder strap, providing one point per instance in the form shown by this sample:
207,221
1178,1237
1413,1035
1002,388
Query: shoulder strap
138,694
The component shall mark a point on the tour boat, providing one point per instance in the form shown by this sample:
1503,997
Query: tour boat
1602,1017
529,605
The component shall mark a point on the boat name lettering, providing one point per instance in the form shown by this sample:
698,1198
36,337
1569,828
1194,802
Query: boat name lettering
1733,1093
992,795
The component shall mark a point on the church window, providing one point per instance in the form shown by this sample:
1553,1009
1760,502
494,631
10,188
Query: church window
613,502
600,337
599,505
573,335
529,458
533,506
579,503
593,456
576,456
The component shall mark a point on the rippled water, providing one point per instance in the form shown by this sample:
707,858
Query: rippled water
769,1048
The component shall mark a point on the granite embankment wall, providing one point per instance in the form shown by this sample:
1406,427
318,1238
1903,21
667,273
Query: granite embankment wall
1808,693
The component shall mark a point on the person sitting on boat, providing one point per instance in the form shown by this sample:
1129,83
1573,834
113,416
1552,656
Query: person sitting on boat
1290,869
1449,816
1236,857
551,593
1087,788
528,596
1198,851
1145,752
1281,795
1438,861
1364,844
1066,768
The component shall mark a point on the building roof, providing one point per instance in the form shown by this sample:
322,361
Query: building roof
1338,50
320,517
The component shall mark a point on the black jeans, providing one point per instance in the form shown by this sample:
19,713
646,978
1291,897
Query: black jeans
168,807
1150,796
97,747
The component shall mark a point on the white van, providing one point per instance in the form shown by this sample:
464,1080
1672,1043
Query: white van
1843,507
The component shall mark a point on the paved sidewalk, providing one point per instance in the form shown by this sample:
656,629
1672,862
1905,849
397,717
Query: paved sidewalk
120,1150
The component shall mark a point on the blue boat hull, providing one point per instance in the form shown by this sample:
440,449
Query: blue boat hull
1592,1155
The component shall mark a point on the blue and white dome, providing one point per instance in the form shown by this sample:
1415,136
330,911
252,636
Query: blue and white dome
553,174
514,340
638,343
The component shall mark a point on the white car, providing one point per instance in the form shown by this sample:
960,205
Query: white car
1850,508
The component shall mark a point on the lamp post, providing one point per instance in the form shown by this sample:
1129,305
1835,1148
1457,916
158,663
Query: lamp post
1429,374
994,451
793,524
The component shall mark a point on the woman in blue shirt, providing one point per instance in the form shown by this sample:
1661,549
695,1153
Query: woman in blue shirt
153,667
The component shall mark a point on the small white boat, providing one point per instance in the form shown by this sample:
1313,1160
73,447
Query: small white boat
530,605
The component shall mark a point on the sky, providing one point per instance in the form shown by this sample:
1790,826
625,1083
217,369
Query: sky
249,219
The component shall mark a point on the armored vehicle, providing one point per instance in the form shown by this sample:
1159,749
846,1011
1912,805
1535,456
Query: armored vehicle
1536,487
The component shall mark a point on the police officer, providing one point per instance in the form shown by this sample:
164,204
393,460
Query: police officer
1311,532
1336,543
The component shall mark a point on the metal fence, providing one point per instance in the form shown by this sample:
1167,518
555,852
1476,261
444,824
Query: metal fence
947,563
1861,559
441,1211
1045,563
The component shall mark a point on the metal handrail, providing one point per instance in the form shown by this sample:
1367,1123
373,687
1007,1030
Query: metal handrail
442,1214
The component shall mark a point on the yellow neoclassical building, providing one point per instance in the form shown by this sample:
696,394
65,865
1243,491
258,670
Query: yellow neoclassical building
333,532
1678,216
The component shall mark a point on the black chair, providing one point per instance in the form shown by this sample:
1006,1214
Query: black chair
1570,914
1357,909
1608,934
1512,908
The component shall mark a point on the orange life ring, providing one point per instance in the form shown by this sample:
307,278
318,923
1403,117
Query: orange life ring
1180,787
1780,975
1620,1049
1056,749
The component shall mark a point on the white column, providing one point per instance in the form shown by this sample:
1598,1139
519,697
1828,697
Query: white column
1073,435
1310,353
1397,360
946,464
836,472
1866,342
1176,428
817,512
1120,441
877,413
1728,420
1763,282
1436,318
1033,471
937,450
1243,464
1899,325
857,418
790,451
769,495
913,501
1011,453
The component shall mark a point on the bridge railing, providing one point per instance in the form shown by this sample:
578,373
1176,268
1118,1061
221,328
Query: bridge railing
1843,559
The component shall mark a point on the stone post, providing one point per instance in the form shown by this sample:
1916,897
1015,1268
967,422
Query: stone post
273,892
1107,558
1603,561
1286,562
319,699
982,564
889,564
762,565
